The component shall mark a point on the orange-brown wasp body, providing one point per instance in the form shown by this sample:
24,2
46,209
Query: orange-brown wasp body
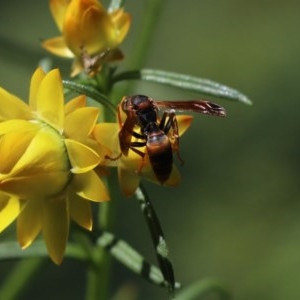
159,136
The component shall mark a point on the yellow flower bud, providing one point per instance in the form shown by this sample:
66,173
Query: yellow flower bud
87,29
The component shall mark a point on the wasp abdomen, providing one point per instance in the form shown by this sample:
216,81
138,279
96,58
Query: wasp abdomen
160,155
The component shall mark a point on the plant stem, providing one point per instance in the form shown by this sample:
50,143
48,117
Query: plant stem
18,278
98,280
99,271
150,21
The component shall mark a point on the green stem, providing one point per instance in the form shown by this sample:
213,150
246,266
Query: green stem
100,270
96,284
18,278
98,279
150,21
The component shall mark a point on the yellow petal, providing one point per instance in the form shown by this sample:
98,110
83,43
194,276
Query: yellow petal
122,23
12,107
46,152
101,150
80,122
82,158
58,9
75,103
35,82
13,145
17,125
10,208
58,46
88,24
184,122
29,222
50,100
129,181
35,185
55,227
77,67
107,135
80,211
89,186
42,170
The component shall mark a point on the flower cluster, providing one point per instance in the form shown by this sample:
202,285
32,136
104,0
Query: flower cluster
52,154
50,157
48,163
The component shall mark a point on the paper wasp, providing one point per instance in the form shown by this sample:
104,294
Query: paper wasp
159,136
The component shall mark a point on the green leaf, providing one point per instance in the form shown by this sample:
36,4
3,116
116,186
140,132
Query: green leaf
90,92
202,288
158,238
186,82
130,258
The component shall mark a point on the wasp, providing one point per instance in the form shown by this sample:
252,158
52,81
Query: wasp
160,136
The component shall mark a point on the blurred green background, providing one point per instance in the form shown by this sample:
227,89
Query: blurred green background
236,214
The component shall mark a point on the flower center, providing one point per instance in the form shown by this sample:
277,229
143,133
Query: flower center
39,166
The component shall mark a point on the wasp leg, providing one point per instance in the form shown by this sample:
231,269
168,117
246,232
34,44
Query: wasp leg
133,146
119,116
169,121
139,136
113,158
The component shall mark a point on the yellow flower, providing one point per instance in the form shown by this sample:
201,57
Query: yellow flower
47,163
88,31
132,167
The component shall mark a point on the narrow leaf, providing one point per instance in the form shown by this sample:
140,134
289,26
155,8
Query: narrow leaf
203,86
90,92
158,238
130,258
203,287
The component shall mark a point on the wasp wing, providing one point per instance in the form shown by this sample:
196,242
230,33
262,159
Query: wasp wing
199,106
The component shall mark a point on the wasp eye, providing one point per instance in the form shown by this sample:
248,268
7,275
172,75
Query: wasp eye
141,102
138,100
